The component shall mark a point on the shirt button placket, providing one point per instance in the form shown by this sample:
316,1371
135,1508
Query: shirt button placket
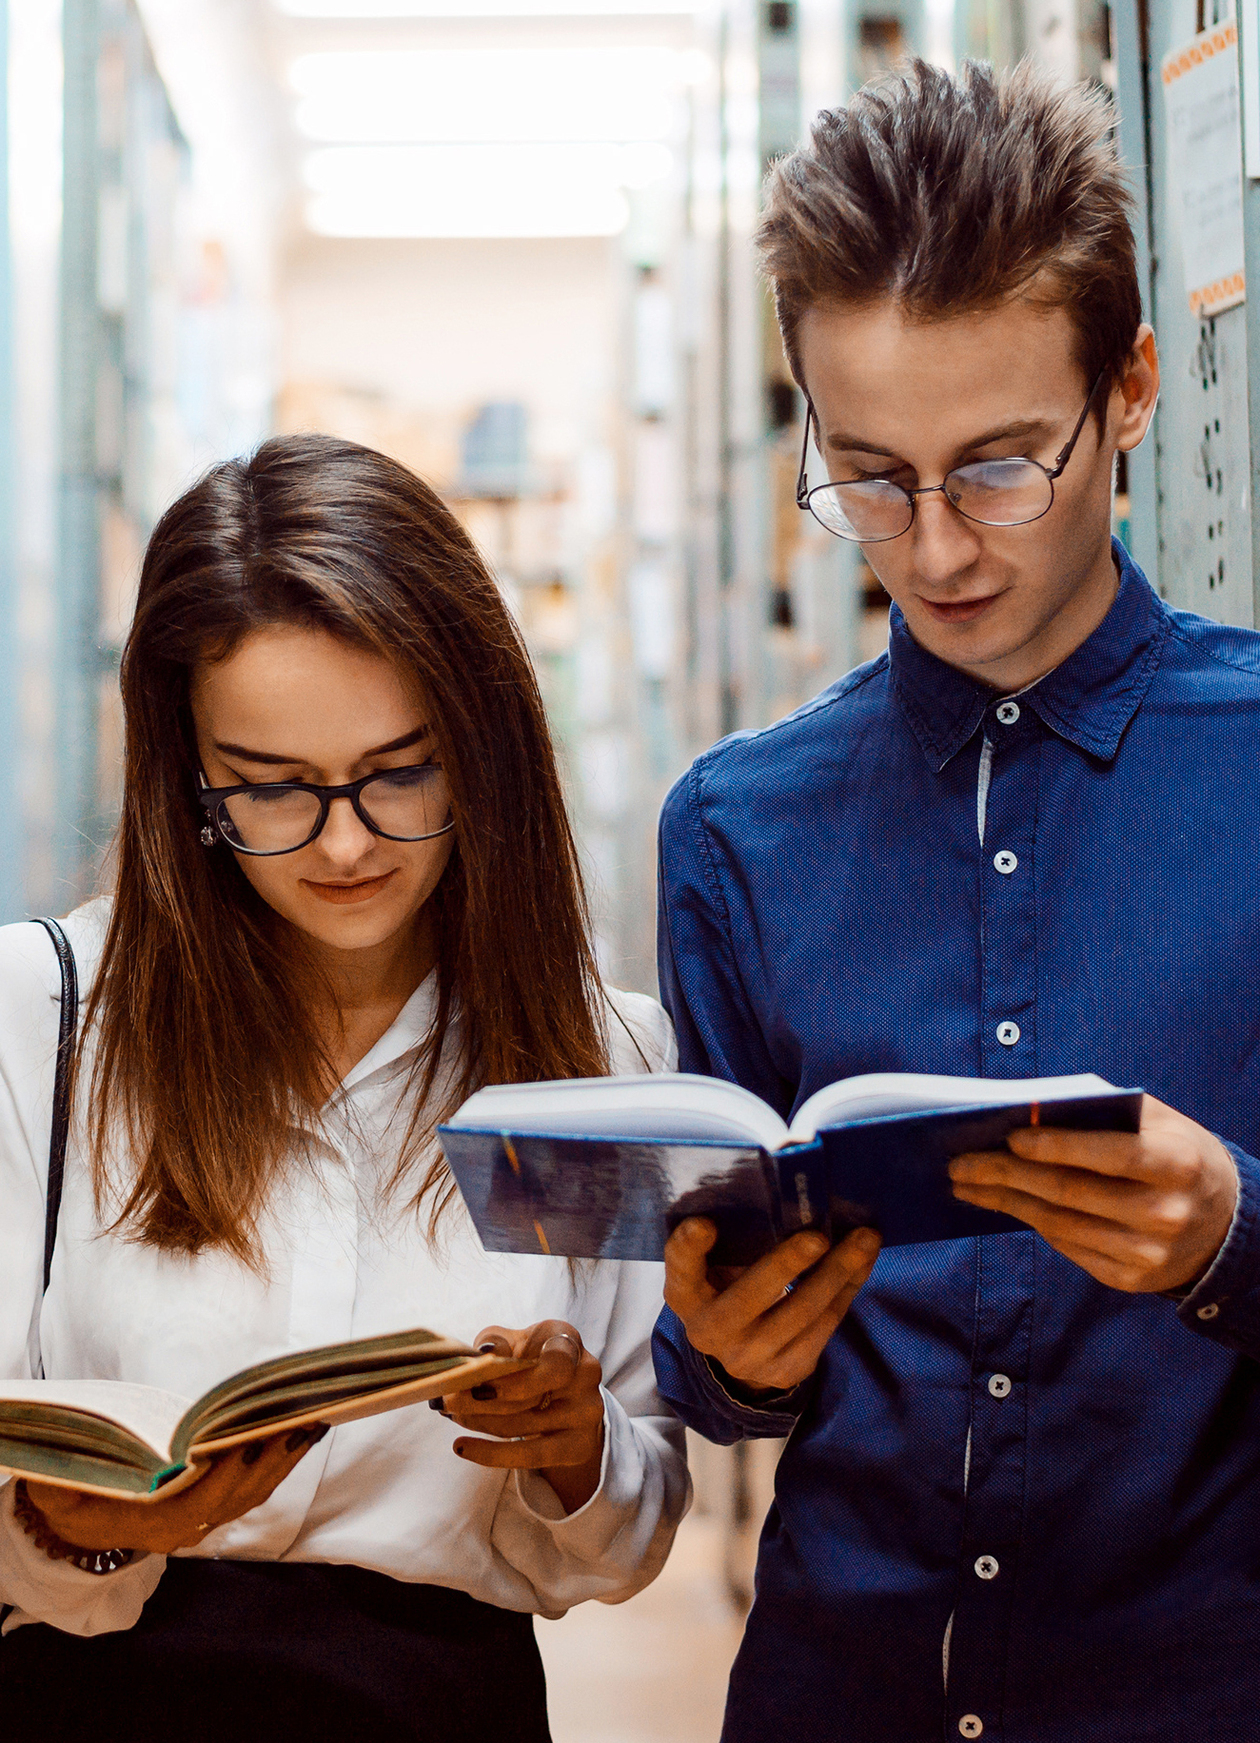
1007,1023
1008,935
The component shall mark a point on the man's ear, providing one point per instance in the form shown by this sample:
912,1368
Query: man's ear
1139,386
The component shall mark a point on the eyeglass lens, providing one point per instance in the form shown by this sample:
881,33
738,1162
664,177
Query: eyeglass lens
997,493
407,804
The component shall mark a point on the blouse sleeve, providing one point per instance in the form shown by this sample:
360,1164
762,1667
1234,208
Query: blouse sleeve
617,1543
37,1588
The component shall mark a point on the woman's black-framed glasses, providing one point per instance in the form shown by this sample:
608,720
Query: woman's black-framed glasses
411,804
995,493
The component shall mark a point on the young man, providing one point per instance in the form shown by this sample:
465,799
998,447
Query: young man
1021,1499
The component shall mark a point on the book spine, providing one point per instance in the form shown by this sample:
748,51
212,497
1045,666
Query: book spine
804,1191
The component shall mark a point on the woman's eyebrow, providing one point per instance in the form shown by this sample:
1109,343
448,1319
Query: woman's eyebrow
263,756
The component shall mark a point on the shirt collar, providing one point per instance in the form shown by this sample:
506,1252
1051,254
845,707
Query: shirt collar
408,1031
1089,700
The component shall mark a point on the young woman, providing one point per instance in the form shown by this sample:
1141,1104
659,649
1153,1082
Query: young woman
346,894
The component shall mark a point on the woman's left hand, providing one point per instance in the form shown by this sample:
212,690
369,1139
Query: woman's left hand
548,1418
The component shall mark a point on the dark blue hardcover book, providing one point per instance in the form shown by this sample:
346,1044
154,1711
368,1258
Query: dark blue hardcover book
618,1192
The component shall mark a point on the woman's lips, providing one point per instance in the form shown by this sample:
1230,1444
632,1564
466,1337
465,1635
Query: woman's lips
362,891
959,612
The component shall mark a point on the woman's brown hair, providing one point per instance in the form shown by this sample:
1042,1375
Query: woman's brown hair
204,1056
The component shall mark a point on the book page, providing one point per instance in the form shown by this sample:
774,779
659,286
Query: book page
143,1412
666,1105
898,1092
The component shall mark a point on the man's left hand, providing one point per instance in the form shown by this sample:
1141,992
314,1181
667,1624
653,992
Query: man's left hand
1141,1211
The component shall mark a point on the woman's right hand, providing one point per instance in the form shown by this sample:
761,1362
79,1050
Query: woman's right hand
234,1483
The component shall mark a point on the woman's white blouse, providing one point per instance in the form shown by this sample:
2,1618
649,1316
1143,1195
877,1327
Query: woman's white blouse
387,1493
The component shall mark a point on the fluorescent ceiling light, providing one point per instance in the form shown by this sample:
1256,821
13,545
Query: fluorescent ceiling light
488,94
478,190
489,8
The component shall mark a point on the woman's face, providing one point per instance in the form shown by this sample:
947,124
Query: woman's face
297,704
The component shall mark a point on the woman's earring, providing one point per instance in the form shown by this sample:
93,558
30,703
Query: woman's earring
209,835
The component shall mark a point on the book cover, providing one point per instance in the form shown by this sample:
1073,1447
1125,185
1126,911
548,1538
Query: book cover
620,1198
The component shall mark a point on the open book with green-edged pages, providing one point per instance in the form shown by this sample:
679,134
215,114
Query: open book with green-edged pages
114,1438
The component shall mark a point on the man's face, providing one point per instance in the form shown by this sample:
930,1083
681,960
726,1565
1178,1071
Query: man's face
910,401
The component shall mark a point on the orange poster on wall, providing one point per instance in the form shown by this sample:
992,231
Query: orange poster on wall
1205,165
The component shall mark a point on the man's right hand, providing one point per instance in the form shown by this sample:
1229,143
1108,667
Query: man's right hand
769,1326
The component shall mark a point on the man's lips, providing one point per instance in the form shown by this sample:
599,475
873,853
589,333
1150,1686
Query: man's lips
361,891
959,610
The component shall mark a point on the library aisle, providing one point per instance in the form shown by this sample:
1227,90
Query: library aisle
652,1670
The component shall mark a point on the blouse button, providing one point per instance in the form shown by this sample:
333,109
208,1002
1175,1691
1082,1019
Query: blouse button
999,1386
1007,1033
971,1724
1005,862
987,1567
1209,1311
1008,713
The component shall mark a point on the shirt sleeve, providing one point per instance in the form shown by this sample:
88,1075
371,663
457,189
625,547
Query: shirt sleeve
701,985
718,1034
617,1543
37,1588
1225,1304
43,1590
695,1390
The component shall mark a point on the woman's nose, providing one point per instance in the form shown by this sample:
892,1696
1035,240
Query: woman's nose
345,837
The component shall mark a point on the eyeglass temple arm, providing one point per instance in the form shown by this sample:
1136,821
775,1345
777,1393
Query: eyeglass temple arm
1065,452
802,494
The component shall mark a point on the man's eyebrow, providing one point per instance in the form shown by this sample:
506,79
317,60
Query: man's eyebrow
842,443
264,756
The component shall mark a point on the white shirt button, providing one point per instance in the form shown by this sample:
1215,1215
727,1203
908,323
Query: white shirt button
1008,713
1209,1311
999,1386
987,1567
1005,862
971,1724
1007,1033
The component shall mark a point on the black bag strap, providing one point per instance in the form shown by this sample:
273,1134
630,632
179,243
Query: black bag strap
61,1086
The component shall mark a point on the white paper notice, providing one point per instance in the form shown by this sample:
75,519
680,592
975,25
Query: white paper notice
1205,165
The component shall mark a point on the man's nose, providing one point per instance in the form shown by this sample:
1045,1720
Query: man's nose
945,543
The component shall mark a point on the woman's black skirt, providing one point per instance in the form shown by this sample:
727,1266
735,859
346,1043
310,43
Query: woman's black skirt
282,1652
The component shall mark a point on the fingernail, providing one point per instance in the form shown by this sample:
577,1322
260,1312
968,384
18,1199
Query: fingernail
487,1349
435,1403
483,1393
318,1432
295,1440
460,1451
252,1453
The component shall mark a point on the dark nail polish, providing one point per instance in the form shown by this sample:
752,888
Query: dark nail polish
483,1393
487,1349
461,1452
435,1403
252,1453
295,1440
318,1432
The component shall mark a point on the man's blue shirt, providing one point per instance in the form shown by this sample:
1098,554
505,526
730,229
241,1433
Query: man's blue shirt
1062,1478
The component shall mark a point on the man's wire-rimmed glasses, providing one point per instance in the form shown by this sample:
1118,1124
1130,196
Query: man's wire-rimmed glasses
266,817
994,493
